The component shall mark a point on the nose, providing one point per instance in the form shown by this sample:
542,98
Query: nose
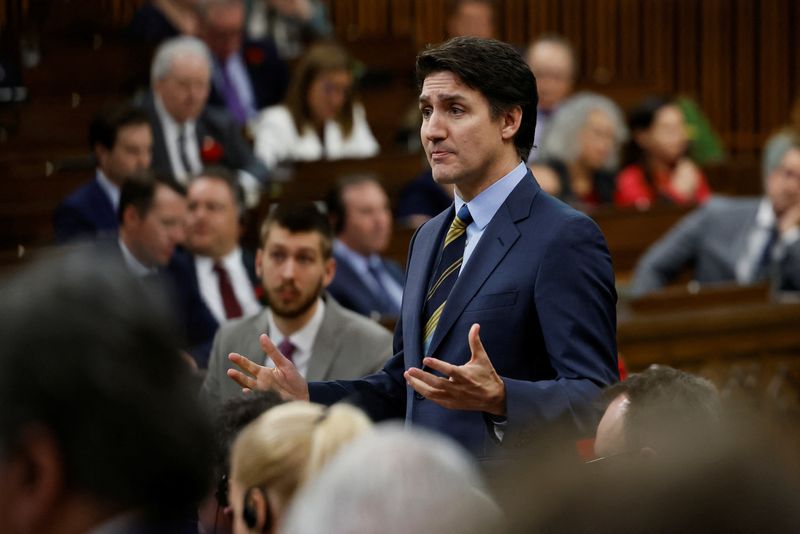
433,128
287,269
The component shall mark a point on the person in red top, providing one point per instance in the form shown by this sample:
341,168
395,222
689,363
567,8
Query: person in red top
658,168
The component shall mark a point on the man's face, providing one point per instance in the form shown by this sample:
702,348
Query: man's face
783,183
463,143
610,438
473,19
328,93
368,220
130,154
155,236
293,270
223,29
597,140
213,228
552,67
184,90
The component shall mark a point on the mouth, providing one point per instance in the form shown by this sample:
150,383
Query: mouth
439,155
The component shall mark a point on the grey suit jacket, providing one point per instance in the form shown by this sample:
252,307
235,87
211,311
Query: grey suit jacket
347,346
710,240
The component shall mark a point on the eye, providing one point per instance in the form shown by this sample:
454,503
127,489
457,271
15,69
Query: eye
456,110
277,256
426,112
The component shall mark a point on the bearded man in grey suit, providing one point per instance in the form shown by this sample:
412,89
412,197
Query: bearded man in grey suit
326,341
742,240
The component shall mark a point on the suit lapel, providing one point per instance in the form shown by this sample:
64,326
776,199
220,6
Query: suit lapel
424,254
261,326
327,343
498,237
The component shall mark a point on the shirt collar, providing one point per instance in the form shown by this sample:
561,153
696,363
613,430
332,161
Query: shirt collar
109,188
765,216
360,262
485,205
230,261
136,267
303,339
171,126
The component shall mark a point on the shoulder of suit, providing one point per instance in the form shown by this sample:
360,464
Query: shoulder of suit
241,325
353,323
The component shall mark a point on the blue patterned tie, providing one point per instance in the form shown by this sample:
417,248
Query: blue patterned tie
446,272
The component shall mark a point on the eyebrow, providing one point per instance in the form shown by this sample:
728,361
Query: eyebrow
423,98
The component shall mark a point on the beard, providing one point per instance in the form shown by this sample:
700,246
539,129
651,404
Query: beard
296,308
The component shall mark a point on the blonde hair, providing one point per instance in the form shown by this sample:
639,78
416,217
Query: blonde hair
289,444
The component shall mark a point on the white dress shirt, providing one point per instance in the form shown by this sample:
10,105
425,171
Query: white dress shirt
747,264
303,339
208,282
172,131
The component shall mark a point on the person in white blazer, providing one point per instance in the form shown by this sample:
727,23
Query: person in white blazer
319,119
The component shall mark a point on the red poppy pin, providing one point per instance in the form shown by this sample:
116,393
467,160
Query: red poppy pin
211,152
254,55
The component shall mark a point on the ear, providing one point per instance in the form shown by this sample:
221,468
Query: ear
33,478
130,217
258,502
330,272
512,119
259,257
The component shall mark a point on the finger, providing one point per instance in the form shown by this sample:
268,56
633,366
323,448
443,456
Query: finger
421,387
242,379
427,378
245,364
475,344
273,353
443,367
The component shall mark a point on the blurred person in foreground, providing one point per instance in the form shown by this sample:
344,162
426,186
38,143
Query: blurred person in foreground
278,453
407,471
100,428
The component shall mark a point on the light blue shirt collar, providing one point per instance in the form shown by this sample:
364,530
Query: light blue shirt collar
485,205
109,188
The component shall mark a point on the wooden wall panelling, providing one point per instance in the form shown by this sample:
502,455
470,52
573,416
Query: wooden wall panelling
513,23
402,18
628,35
542,17
715,86
773,54
688,49
745,88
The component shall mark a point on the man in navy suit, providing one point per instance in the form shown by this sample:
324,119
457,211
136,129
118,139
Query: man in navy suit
361,217
122,142
247,76
526,334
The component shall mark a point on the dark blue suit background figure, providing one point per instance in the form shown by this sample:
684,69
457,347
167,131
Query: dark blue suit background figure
198,321
541,285
350,290
86,212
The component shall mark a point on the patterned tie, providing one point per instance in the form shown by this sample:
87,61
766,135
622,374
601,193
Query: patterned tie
287,348
229,301
183,154
387,306
446,272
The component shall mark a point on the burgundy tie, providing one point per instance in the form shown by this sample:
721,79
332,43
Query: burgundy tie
287,348
232,307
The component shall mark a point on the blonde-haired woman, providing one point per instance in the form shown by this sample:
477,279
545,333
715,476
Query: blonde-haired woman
278,452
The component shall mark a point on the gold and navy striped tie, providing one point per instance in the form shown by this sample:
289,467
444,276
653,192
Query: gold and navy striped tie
446,272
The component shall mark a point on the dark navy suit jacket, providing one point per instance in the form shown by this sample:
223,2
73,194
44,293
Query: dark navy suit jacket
349,289
541,285
200,324
86,212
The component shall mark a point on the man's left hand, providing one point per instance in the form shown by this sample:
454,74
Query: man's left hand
472,386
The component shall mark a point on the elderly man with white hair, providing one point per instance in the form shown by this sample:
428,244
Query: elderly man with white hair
395,480
187,134
742,240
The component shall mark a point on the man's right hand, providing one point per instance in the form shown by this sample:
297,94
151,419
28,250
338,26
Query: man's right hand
283,378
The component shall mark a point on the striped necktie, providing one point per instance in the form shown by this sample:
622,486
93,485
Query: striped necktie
447,271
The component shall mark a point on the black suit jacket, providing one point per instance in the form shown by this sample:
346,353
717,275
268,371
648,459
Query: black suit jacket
215,125
268,74
86,212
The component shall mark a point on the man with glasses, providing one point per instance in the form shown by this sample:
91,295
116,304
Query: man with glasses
742,240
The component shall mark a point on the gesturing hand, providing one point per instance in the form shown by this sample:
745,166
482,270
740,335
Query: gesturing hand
472,386
283,378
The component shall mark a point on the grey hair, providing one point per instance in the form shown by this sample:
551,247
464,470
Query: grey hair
168,50
559,140
776,147
417,481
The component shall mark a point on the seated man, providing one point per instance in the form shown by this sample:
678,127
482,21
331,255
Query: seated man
99,430
213,263
743,240
187,134
659,411
325,341
362,221
247,76
152,217
121,140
